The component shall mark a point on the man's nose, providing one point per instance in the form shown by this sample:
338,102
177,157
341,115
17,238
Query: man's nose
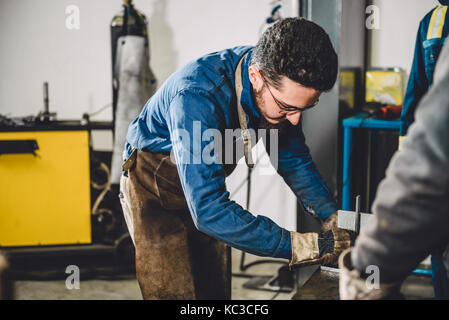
294,117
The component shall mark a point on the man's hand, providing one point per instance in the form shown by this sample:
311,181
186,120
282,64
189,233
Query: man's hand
333,240
320,248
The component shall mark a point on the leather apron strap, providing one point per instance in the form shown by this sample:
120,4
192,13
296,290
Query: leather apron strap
246,136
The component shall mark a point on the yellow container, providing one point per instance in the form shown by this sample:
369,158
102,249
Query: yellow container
45,199
385,86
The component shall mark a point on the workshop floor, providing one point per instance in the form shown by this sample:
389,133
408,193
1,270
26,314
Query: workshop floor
126,287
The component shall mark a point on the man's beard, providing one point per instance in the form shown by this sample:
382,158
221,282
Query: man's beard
263,122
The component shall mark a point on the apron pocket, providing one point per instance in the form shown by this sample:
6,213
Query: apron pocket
168,185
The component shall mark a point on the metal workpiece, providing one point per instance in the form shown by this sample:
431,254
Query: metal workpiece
348,220
357,214
353,220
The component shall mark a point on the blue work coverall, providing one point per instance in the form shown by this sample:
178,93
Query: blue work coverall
203,92
432,34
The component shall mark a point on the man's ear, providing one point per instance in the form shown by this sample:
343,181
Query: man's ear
255,77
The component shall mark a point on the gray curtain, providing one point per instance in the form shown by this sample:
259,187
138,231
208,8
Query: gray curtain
136,85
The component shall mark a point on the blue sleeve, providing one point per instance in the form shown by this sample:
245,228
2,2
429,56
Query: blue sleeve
417,85
194,112
295,165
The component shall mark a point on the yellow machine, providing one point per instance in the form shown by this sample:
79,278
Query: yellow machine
45,197
385,85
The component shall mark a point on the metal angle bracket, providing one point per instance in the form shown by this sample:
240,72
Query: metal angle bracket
347,220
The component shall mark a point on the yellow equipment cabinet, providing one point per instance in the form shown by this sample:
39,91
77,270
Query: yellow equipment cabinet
45,198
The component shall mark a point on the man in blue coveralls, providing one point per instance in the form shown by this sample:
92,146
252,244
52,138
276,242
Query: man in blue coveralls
174,197
432,35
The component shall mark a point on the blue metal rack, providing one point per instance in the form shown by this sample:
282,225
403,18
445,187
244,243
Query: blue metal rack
358,121
362,120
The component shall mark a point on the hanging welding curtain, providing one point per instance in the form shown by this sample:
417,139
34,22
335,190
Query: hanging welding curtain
133,80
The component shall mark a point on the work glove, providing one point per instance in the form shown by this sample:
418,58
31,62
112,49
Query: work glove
355,286
320,248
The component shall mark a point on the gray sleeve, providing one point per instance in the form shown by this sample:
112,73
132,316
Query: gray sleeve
411,209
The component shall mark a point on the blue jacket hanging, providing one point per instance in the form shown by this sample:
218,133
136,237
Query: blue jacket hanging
432,34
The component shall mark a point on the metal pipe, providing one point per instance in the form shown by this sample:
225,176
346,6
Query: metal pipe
46,99
357,217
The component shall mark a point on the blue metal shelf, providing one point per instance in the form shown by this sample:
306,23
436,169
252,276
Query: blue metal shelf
358,121
362,120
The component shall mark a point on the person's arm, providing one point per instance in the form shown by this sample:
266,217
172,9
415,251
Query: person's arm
417,85
411,216
204,184
295,165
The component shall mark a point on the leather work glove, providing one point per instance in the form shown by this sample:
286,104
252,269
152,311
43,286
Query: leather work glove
320,248
354,286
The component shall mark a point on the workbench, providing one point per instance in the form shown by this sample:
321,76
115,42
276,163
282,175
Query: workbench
324,285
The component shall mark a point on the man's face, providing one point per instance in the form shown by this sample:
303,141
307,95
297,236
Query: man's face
279,106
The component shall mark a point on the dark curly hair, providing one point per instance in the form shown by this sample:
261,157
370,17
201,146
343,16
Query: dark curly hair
298,49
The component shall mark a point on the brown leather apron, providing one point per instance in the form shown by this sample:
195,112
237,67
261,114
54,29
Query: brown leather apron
173,259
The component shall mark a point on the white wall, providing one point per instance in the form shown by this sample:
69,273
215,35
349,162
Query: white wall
37,47
352,35
394,43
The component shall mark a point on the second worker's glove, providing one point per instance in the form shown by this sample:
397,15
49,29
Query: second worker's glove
320,248
354,286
